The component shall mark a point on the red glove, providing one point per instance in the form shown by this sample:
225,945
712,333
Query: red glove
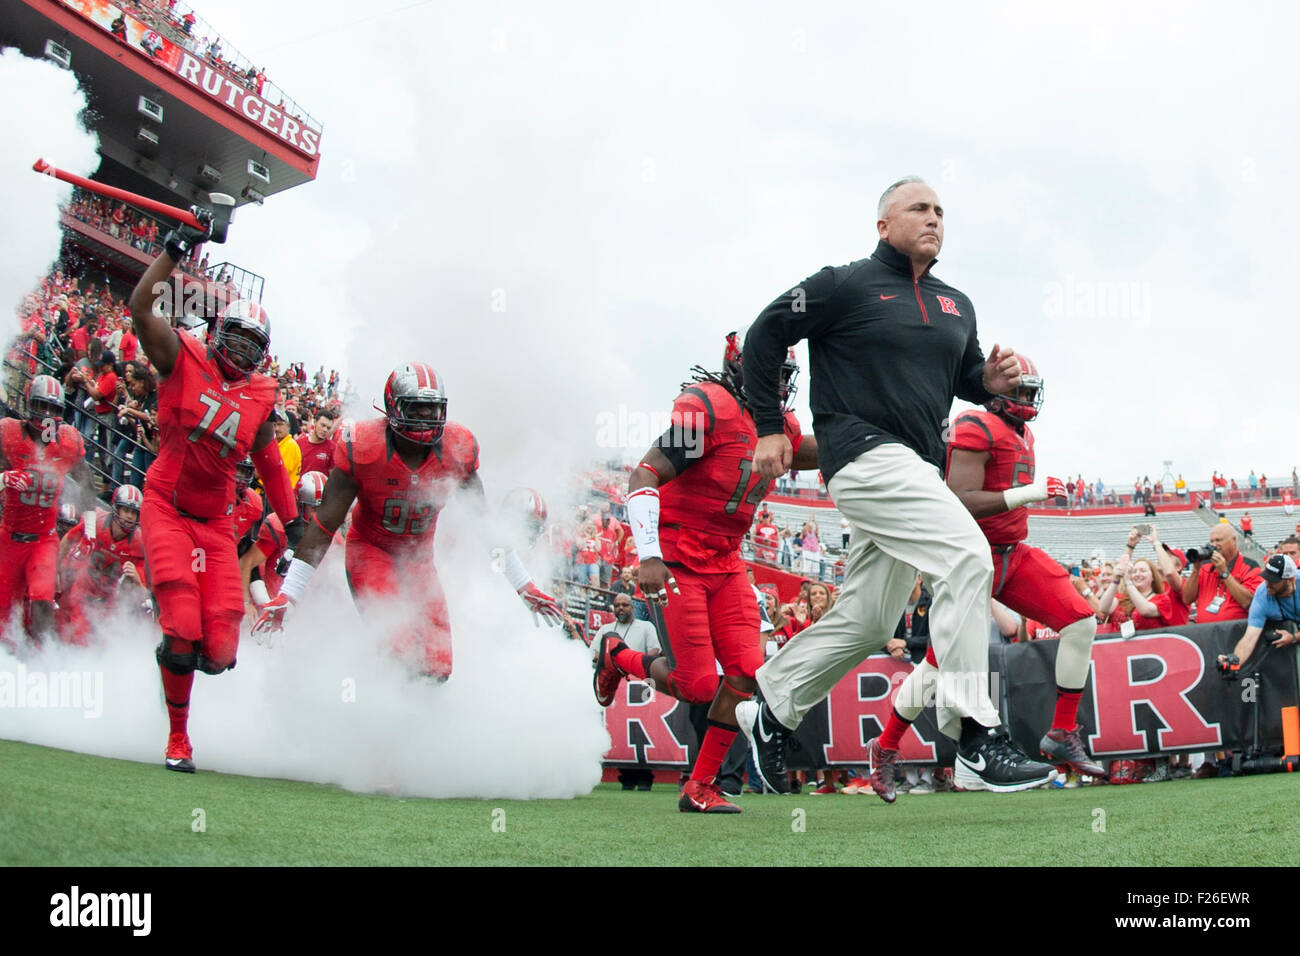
16,480
541,603
271,619
1056,488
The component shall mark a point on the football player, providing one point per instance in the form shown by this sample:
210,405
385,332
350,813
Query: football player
101,553
36,454
991,468
213,409
263,564
400,470
690,503
248,506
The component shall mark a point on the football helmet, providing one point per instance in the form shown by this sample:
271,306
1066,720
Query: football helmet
1025,401
68,518
127,500
44,399
526,506
244,473
241,339
416,403
311,489
733,370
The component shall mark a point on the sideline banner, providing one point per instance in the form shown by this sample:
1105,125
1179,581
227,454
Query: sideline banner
1157,693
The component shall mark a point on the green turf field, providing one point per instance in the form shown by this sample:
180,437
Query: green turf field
70,809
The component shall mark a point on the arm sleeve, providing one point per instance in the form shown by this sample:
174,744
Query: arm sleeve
275,480
970,383
802,313
689,429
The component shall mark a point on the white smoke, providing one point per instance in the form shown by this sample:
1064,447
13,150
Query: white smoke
326,702
44,102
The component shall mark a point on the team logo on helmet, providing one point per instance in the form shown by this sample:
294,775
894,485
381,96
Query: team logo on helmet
241,339
415,403
311,489
44,399
1026,399
127,501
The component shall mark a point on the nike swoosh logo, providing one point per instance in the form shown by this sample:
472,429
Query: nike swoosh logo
763,735
699,805
975,766
886,298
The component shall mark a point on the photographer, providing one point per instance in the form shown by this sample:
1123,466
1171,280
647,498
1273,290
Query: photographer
1224,582
1275,600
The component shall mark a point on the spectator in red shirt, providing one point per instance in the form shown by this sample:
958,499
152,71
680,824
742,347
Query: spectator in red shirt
1247,525
1223,585
317,446
1144,600
128,344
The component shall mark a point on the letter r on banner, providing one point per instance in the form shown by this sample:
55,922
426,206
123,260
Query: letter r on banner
651,716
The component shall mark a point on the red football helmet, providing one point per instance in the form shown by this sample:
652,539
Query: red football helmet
1025,401
241,339
44,399
527,506
311,489
415,403
127,498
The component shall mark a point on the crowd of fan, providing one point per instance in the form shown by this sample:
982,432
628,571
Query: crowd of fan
83,336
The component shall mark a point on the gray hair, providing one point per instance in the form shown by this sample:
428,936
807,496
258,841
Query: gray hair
884,197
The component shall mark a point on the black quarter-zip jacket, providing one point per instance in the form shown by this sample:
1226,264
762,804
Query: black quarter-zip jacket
888,354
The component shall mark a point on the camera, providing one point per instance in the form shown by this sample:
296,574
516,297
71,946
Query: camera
1200,555
1230,667
1144,529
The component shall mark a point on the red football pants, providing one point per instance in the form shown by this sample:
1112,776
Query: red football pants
715,618
26,569
1029,582
193,570
380,579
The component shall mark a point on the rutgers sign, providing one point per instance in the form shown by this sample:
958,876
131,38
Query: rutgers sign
1153,694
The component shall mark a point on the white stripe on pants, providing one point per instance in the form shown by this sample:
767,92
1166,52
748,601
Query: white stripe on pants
904,519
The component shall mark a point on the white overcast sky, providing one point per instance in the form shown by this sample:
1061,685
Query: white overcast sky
633,182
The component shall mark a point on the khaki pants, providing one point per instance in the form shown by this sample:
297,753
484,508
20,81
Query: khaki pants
904,519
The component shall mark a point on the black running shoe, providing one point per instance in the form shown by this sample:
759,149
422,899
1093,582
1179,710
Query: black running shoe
993,762
1066,747
766,742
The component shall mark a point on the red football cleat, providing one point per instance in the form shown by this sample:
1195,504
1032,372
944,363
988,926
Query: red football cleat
883,765
700,797
180,755
608,676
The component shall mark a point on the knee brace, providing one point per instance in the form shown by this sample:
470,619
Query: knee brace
178,662
208,666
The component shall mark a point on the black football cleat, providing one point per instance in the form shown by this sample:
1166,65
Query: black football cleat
766,742
1066,747
180,755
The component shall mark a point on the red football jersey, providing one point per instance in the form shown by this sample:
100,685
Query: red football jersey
705,512
397,507
271,541
37,511
1011,463
247,513
206,426
99,560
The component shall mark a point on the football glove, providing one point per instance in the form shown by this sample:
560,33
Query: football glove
271,620
180,242
15,479
542,605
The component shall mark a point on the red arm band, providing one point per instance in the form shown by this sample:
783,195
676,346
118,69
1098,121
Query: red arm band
275,480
